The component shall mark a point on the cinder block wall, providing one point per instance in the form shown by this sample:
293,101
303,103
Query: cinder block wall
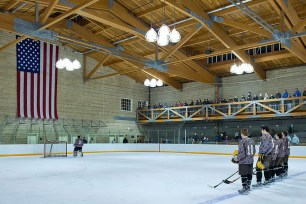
277,80
191,91
93,100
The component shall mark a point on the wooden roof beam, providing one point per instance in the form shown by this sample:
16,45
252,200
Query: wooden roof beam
258,58
217,31
151,10
292,15
48,11
100,63
91,37
181,42
122,13
12,4
68,13
10,44
243,26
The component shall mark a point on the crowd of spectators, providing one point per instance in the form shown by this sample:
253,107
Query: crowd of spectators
247,97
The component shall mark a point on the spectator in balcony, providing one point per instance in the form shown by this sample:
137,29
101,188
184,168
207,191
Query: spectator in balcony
154,106
179,104
266,97
297,93
125,140
230,100
243,98
185,104
295,140
278,95
249,97
285,94
192,103
197,102
261,97
160,105
236,99
255,97
304,92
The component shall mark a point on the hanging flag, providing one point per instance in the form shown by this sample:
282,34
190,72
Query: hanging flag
36,79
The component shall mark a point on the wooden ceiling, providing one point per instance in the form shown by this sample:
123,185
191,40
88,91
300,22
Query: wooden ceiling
121,22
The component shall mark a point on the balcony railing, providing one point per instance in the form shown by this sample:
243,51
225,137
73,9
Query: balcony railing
295,106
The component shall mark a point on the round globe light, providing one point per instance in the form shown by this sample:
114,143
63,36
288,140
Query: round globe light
146,82
69,66
240,69
153,83
66,61
175,36
243,66
234,68
249,69
151,35
76,64
164,31
163,41
159,83
60,64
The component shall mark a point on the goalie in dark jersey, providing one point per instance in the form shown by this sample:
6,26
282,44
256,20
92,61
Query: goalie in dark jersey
245,159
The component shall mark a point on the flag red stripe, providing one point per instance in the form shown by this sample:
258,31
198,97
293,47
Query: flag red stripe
18,94
37,92
25,95
55,91
44,82
50,80
32,95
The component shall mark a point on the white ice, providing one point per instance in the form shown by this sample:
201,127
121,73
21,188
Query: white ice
138,178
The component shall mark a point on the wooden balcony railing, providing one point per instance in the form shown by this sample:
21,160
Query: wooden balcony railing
293,107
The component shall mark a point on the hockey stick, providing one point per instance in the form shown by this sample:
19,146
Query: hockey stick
225,180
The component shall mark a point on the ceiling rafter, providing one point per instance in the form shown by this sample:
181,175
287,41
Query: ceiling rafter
95,69
218,32
122,13
11,44
181,43
292,15
68,13
12,4
48,11
89,36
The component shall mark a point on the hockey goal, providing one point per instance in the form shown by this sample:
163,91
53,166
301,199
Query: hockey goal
55,149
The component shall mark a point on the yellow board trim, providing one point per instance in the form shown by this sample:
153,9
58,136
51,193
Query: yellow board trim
113,151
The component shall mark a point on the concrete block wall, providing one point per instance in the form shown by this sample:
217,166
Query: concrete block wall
277,80
93,100
191,91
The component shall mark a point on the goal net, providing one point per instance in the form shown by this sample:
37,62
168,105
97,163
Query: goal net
55,149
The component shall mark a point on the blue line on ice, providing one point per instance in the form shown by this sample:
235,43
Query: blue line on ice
231,195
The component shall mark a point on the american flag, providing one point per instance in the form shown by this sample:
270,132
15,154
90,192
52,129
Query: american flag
36,79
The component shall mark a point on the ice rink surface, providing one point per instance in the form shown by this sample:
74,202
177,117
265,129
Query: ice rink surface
138,178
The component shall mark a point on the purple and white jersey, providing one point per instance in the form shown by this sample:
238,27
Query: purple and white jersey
246,151
266,145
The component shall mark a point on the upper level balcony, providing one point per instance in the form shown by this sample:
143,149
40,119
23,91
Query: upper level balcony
288,107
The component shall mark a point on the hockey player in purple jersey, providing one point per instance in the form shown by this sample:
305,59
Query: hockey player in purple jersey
245,159
277,158
264,157
285,154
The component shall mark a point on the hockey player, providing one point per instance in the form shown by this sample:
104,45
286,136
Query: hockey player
264,157
78,144
285,154
277,159
245,159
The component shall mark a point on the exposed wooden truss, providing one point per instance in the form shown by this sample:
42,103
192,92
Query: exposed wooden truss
103,24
